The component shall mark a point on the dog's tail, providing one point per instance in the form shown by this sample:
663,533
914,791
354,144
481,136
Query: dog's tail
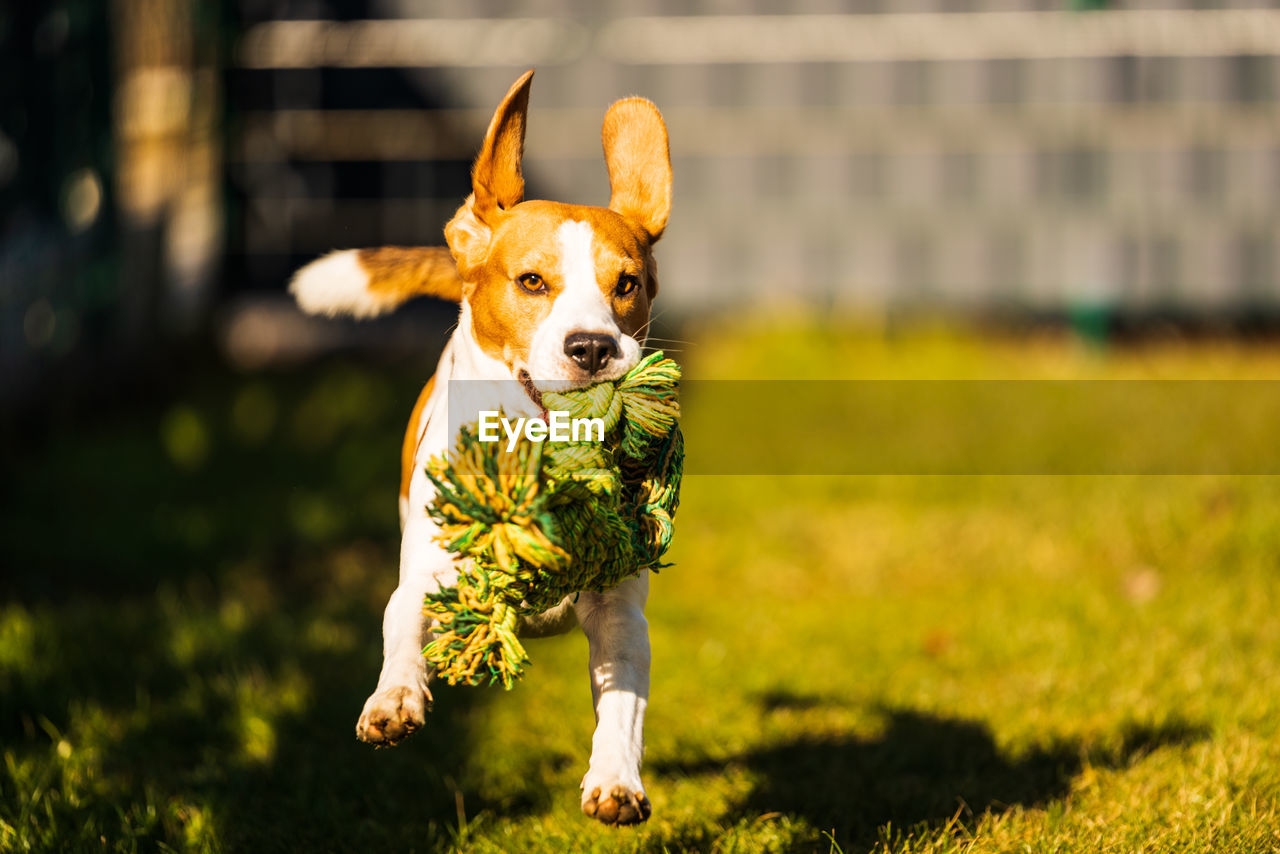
369,282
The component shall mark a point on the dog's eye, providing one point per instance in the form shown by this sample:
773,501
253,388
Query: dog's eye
626,284
532,283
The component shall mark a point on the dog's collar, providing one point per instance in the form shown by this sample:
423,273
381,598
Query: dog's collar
526,382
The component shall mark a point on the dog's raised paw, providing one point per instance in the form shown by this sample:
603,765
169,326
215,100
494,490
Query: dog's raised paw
391,715
618,806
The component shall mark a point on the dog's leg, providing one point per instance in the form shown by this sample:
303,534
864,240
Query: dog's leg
619,659
398,706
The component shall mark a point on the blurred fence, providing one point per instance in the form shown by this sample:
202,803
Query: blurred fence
111,185
161,160
977,154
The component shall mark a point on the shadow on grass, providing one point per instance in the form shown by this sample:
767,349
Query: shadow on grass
254,732
922,769
190,622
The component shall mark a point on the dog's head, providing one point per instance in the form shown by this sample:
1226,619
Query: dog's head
561,293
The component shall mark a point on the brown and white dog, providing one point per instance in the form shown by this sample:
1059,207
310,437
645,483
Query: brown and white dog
550,294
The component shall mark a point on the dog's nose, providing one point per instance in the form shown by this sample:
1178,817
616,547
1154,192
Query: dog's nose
590,350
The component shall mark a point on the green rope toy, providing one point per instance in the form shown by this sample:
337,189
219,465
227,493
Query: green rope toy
548,519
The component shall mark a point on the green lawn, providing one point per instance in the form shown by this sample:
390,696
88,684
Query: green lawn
192,594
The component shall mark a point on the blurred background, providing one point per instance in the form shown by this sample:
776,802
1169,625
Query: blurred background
166,164
198,524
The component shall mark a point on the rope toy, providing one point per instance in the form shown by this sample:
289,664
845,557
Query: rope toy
548,519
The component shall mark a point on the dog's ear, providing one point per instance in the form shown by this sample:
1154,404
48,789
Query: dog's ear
497,182
468,240
639,161
496,179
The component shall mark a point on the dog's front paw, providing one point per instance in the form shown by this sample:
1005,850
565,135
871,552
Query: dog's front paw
616,804
392,715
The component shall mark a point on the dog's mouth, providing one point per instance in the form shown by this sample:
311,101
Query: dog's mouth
526,382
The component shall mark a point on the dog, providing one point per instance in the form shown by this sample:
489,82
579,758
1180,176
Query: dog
551,295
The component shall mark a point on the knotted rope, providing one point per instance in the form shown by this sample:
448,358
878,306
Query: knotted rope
549,519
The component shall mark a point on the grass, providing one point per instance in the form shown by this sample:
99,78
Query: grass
192,594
